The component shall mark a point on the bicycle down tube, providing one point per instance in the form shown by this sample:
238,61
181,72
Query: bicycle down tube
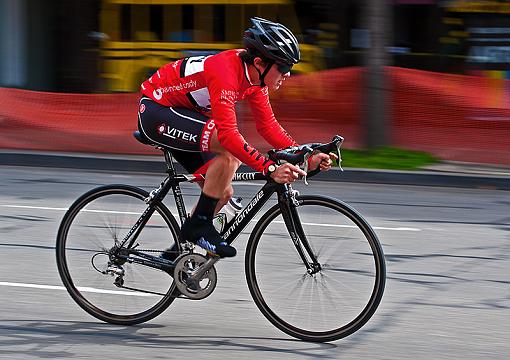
289,213
247,214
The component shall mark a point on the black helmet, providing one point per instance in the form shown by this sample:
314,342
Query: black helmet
273,41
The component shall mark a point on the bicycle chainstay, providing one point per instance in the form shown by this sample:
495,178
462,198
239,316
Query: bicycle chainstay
120,283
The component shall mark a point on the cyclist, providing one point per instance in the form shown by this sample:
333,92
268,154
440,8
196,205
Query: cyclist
189,106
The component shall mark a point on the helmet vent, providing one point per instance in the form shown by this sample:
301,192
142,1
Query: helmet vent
273,41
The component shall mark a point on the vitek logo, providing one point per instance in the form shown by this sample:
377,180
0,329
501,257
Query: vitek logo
176,134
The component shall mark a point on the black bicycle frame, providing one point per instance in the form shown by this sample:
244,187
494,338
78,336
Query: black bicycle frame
234,228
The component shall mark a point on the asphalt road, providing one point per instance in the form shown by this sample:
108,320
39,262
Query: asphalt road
447,294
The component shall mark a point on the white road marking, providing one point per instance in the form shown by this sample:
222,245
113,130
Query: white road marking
355,227
176,215
34,207
82,289
65,209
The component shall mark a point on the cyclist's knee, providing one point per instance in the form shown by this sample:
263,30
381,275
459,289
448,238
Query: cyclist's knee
227,195
228,161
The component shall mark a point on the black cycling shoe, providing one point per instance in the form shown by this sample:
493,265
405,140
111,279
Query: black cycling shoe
204,234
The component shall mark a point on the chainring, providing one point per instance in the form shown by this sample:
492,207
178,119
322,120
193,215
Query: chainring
195,290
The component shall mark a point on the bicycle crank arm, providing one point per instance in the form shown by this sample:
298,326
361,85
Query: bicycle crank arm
199,273
195,275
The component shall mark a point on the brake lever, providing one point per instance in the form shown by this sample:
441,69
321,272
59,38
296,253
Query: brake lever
338,141
305,166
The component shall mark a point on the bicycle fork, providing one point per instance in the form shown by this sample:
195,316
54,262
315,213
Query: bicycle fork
288,205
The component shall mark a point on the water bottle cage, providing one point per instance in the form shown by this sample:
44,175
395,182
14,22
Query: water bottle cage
227,214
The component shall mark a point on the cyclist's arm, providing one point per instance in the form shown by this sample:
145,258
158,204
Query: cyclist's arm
265,121
222,90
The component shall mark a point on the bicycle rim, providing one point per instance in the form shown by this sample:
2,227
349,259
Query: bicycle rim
89,230
336,301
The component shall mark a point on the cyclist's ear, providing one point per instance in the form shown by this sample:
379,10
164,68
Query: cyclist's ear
259,62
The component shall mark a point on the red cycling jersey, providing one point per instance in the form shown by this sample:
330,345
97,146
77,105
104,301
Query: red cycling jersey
212,85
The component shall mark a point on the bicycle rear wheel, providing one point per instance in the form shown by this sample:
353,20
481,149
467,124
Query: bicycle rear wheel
91,227
337,300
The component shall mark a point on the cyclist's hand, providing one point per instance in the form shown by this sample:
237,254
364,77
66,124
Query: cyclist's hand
324,161
287,173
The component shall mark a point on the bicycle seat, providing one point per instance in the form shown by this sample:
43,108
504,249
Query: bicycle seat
142,138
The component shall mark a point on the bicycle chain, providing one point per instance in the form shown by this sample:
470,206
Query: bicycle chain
145,250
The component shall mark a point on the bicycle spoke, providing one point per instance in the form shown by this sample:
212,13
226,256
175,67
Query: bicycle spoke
301,293
327,302
328,293
101,222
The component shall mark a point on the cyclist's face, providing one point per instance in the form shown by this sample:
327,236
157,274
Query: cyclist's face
274,78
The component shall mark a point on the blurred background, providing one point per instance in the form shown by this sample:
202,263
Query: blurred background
427,75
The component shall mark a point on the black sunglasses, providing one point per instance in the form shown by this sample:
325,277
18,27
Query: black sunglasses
284,68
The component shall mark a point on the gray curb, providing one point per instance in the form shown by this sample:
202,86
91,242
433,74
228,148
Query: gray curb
155,165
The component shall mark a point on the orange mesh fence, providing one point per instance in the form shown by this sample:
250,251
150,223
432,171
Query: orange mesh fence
315,107
69,122
454,117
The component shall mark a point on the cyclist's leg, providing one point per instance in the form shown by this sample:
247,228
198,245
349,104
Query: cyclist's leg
218,182
198,163
193,140
217,186
187,130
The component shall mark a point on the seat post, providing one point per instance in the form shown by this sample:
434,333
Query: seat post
170,169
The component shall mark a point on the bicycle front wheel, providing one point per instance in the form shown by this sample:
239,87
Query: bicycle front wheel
96,222
337,300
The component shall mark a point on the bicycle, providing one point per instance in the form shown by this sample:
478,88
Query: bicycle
313,264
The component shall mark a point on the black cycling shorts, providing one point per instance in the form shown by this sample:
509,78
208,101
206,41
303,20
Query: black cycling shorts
185,132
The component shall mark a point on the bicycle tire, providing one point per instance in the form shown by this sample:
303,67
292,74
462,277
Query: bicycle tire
266,276
86,215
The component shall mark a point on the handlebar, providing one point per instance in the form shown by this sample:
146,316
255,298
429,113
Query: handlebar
297,155
294,155
332,146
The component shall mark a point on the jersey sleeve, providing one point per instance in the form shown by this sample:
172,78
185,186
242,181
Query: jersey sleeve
223,87
265,121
